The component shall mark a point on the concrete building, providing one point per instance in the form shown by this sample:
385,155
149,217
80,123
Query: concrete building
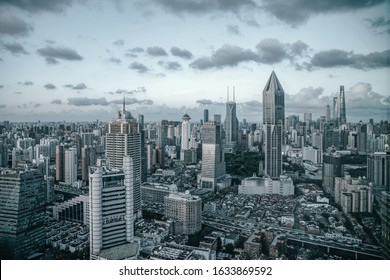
353,194
273,124
70,166
266,185
111,212
385,222
186,212
22,213
156,192
74,210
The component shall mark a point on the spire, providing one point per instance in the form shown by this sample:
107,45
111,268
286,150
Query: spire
273,84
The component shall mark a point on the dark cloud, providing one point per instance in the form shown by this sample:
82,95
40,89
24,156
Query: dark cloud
50,86
271,51
11,25
181,53
299,48
227,55
205,6
35,6
296,12
51,54
131,101
119,42
26,83
156,51
139,67
137,50
14,48
134,91
85,101
37,105
204,101
114,60
2,106
56,101
341,58
76,87
233,29
79,86
380,24
171,65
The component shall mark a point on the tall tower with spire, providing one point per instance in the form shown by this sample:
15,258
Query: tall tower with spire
343,116
273,123
231,123
124,139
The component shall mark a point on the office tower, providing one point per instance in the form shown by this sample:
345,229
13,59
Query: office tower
185,132
231,125
335,109
328,137
70,166
343,116
123,139
60,158
88,158
217,118
327,113
331,168
385,224
22,213
273,118
3,154
186,212
361,138
378,171
205,115
213,161
111,211
143,148
162,134
307,118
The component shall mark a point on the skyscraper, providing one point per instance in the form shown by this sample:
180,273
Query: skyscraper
60,155
124,138
70,173
205,115
213,161
111,211
378,171
343,116
22,213
231,124
273,123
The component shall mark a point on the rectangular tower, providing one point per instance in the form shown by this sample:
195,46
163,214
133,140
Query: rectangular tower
273,124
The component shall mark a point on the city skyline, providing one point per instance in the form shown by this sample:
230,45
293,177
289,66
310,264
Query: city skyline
75,60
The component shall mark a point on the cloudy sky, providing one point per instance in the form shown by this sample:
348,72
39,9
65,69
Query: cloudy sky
74,60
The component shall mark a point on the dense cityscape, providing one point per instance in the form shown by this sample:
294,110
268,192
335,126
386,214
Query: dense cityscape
218,188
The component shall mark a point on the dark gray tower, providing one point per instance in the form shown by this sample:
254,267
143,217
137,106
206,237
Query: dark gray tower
273,123
343,116
231,124
205,115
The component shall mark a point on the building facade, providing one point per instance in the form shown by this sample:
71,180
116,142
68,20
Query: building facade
273,124
111,208
22,213
231,125
186,212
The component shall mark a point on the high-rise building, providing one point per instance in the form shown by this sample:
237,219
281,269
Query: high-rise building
123,139
331,168
22,213
231,125
327,113
343,116
88,158
60,158
205,115
273,123
70,166
213,161
111,211
186,212
378,171
385,224
185,133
